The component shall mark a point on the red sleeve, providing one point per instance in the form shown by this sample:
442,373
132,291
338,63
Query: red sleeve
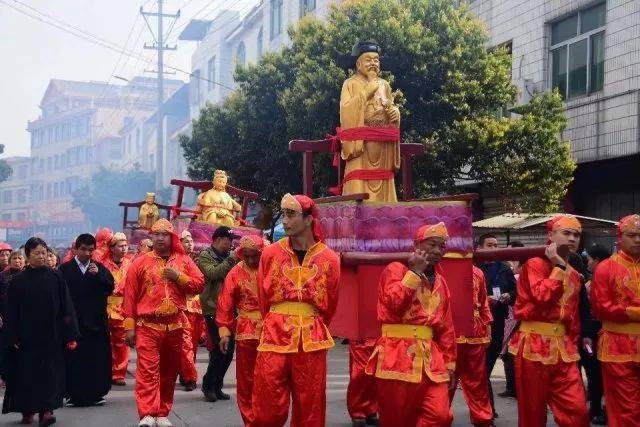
444,335
397,288
191,280
263,268
225,318
333,283
130,293
485,311
543,287
603,302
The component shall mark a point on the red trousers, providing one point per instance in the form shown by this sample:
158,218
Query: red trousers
157,370
119,350
191,337
361,392
301,377
246,353
423,404
471,371
558,386
622,393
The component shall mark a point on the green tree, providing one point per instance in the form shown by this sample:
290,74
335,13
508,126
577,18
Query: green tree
5,169
108,187
449,87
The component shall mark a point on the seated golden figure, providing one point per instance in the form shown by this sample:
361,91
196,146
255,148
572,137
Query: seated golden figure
216,206
149,212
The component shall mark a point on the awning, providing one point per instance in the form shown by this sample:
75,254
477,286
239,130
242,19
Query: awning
527,221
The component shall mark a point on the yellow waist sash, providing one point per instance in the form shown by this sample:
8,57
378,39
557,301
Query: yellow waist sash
548,329
294,308
631,328
114,300
399,330
160,326
253,315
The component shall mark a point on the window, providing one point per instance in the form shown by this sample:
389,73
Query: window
137,140
577,53
259,44
241,55
307,6
7,196
22,196
211,73
276,18
195,87
22,172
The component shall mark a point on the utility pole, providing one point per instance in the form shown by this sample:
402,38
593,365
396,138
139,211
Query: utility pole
160,46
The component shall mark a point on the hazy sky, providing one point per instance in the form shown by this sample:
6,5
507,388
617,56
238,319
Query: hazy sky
33,52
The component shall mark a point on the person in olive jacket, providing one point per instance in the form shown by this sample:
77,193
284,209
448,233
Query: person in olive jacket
215,262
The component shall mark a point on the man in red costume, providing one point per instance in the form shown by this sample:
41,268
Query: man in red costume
471,367
615,300
298,292
362,403
155,295
192,333
414,359
545,345
240,294
117,262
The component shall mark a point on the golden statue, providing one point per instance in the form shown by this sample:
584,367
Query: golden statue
149,212
216,205
366,101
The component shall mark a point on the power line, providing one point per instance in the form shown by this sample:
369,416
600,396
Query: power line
114,47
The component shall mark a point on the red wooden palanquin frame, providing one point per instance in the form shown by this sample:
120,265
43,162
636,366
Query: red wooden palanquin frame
407,151
245,196
132,224
174,211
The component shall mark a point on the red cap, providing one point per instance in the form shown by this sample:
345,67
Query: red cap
305,205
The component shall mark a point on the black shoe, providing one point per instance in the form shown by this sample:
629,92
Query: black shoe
99,402
222,396
190,386
182,381
599,420
495,415
358,422
46,418
372,420
210,397
507,393
120,383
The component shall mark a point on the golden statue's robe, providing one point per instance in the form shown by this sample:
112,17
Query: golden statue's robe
217,207
356,111
148,215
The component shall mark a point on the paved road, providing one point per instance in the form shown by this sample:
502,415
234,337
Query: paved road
191,410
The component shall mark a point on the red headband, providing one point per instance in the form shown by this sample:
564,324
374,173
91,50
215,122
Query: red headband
305,206
431,230
564,222
164,226
629,224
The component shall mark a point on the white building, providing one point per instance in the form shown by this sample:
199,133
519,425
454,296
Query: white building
229,40
590,51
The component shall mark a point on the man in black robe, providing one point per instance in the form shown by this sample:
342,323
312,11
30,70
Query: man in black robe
89,366
40,321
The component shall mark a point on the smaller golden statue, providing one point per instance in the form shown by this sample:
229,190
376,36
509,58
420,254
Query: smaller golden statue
216,206
149,212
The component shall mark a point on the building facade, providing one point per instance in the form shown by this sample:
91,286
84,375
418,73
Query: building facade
78,132
589,51
230,40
